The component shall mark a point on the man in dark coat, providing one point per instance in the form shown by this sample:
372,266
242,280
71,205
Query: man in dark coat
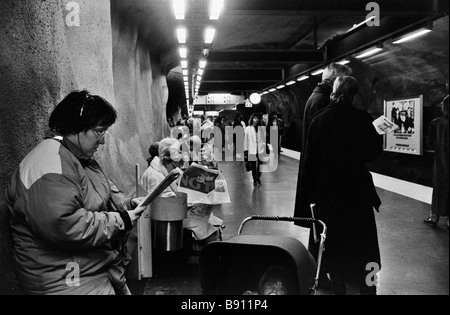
319,99
438,140
341,139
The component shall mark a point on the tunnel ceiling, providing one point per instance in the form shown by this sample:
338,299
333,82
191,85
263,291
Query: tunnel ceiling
261,43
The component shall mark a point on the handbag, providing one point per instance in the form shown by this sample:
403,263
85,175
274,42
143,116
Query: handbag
248,167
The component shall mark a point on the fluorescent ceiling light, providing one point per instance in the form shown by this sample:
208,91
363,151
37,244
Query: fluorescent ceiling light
344,62
362,23
201,71
303,77
370,52
317,72
185,72
209,35
183,52
272,90
265,92
290,83
179,6
202,64
181,33
184,64
412,35
282,86
216,8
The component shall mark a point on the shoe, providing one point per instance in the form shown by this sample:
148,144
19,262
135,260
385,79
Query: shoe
429,222
255,183
259,182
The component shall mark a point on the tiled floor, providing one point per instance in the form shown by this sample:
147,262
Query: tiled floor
414,256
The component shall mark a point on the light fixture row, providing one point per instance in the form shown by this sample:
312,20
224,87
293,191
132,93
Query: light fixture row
367,53
180,9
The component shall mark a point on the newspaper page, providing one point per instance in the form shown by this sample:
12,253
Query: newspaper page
384,126
204,185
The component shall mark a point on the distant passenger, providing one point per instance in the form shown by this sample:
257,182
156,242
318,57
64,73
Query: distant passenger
153,151
438,140
341,139
254,146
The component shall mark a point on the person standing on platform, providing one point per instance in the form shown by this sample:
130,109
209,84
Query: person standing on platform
437,140
319,99
254,145
276,121
341,139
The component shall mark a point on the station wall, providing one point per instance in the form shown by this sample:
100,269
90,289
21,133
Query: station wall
48,50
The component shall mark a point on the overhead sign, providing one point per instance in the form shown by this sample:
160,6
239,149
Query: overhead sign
218,99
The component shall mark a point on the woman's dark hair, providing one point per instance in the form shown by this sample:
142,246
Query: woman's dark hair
80,111
153,151
257,114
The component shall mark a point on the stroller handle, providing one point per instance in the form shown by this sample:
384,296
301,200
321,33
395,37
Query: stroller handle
295,219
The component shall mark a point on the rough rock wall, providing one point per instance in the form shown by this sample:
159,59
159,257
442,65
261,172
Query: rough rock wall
141,94
42,59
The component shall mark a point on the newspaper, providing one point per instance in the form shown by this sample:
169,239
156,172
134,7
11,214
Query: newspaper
204,185
383,125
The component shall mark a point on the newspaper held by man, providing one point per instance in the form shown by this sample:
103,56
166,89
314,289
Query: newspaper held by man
204,185
384,125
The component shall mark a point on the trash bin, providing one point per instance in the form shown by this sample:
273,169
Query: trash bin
168,214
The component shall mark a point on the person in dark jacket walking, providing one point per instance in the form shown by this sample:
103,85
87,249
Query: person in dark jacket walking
334,177
438,141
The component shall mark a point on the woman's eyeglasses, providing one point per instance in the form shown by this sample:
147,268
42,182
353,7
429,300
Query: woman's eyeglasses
100,133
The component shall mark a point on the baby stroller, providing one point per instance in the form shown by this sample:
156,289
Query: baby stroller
261,264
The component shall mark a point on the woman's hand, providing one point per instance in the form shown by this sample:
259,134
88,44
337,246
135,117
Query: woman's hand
136,201
136,213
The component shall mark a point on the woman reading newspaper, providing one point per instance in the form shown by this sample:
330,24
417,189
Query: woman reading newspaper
200,221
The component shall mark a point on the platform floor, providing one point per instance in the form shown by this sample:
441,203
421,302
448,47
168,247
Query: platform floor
414,256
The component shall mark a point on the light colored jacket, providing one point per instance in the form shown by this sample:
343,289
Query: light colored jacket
154,175
65,223
255,142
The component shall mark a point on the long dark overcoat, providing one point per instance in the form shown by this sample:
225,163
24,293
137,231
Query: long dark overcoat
334,176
